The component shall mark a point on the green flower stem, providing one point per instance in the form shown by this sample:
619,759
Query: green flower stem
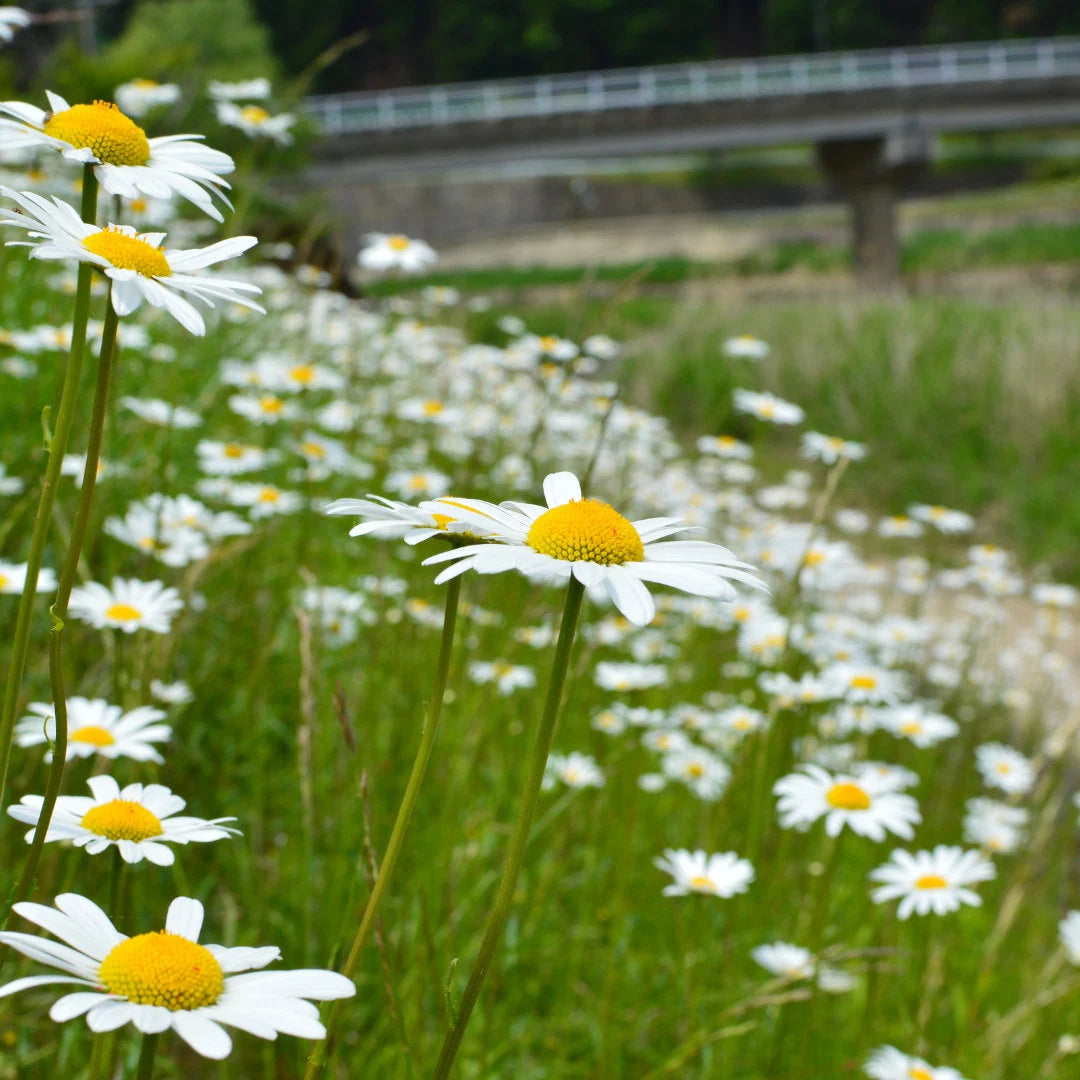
63,594
57,447
146,1057
404,816
516,855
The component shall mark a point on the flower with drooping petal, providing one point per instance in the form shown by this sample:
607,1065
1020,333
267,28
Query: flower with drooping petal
165,979
138,820
137,264
126,162
594,543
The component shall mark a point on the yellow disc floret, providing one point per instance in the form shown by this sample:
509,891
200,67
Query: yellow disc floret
397,242
114,138
122,613
931,881
586,530
702,883
128,252
163,969
255,114
122,819
848,797
92,734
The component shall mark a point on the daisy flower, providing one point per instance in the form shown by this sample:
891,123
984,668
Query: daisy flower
10,485
942,518
137,820
747,347
899,526
395,252
128,605
13,578
590,540
888,1063
767,407
231,459
138,97
177,693
137,265
96,727
705,774
865,804
12,19
574,770
722,875
1005,768
265,500
828,449
247,90
924,729
623,677
787,961
725,446
166,979
127,163
931,881
255,121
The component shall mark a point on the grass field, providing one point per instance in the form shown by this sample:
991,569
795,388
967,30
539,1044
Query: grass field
310,657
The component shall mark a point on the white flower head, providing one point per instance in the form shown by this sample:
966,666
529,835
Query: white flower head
932,881
166,979
126,162
138,820
392,251
96,727
590,540
865,804
723,875
127,604
139,268
888,1063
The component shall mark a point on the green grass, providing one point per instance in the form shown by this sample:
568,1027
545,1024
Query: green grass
599,975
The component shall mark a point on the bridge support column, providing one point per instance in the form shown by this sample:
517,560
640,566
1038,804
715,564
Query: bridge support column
871,171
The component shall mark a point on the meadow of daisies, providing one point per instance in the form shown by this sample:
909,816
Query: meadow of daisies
380,701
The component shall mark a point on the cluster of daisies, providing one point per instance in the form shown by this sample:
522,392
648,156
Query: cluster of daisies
162,979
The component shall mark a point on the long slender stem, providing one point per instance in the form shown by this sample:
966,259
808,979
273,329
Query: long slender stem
146,1057
63,594
516,855
57,448
404,816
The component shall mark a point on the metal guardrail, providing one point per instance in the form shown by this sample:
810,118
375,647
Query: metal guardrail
683,84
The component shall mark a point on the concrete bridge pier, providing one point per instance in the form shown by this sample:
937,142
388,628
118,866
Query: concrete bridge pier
873,171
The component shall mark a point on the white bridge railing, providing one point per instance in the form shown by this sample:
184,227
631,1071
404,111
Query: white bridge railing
682,84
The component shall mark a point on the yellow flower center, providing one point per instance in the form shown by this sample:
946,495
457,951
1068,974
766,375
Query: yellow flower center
586,530
128,253
122,613
313,450
432,408
270,404
144,84
1003,767
702,883
814,558
912,727
931,881
302,373
3,581
548,342
726,441
114,138
397,243
254,114
767,409
92,734
695,770
863,682
163,969
741,724
138,206
233,450
848,797
269,495
919,1074
122,820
